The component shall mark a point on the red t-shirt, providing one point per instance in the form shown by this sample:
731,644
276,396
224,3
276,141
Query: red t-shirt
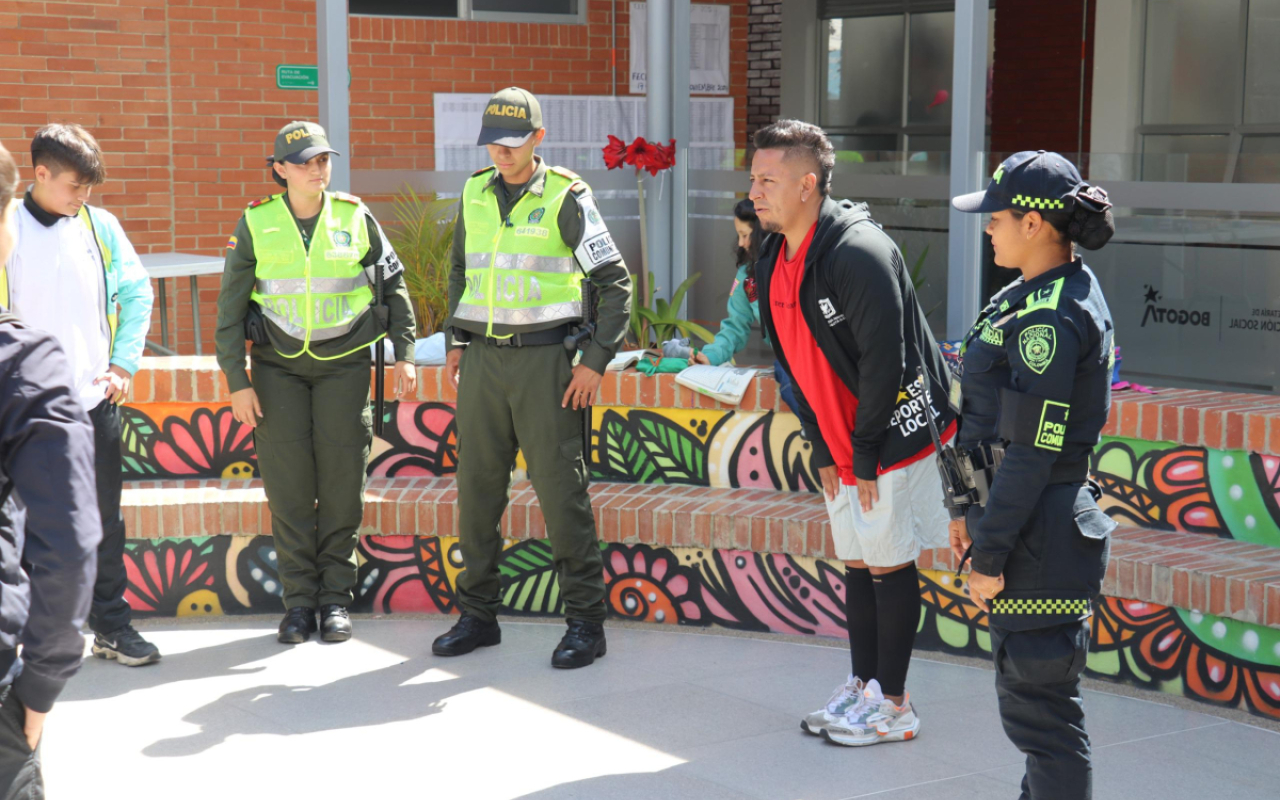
832,403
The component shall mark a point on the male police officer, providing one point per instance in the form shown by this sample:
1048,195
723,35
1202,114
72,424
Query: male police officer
307,259
526,235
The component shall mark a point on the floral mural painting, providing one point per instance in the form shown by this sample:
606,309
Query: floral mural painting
1181,652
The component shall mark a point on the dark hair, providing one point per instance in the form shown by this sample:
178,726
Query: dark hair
745,210
63,146
8,180
801,139
275,176
1083,226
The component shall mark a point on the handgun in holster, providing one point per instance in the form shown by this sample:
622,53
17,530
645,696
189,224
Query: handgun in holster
578,339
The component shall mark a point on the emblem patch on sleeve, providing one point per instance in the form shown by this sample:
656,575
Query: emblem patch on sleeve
597,247
1037,344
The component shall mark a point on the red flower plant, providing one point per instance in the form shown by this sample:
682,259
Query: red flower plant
640,154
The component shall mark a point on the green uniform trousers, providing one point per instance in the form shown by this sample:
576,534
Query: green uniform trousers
313,444
508,399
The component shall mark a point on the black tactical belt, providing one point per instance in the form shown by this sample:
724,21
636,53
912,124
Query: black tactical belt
535,339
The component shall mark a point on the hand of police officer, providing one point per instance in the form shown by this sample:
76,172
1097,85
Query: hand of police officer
452,360
984,587
245,407
868,494
34,727
958,533
583,388
118,381
406,379
830,477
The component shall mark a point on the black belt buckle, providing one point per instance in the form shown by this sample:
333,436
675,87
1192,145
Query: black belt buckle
510,341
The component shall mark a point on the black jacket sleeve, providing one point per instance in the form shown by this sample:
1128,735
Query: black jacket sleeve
1024,473
457,280
866,279
46,443
401,325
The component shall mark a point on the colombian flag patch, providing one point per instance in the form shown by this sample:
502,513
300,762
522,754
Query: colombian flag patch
231,243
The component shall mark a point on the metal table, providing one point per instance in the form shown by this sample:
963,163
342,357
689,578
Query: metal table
179,265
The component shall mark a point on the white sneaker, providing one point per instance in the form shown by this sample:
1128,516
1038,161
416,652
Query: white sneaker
887,723
853,721
844,698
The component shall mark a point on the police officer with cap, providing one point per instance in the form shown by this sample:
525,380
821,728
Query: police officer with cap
1034,396
298,282
528,237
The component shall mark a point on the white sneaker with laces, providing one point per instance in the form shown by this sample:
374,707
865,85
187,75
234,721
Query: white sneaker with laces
844,698
887,723
853,721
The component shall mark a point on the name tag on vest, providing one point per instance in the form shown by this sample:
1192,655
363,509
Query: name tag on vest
537,233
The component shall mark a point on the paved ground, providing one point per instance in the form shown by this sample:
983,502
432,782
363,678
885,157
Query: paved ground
231,714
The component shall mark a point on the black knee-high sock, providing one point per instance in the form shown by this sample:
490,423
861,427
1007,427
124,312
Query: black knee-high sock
860,610
898,604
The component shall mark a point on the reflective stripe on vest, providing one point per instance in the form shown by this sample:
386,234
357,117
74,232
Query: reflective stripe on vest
112,313
519,271
314,294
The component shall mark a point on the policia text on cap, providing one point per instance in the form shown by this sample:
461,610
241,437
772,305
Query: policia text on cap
299,282
527,236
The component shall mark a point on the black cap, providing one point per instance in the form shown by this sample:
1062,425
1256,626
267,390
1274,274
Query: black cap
510,117
299,142
1033,180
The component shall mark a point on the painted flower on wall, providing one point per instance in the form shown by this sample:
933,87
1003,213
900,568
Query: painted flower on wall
212,443
649,585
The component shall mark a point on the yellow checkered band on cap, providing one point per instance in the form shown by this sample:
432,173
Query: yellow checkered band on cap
1037,203
1039,605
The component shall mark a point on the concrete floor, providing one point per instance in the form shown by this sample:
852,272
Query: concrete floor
230,713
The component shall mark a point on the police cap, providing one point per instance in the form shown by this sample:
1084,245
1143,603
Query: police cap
1033,180
510,117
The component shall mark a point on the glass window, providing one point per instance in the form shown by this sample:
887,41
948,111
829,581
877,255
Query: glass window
864,72
929,75
1192,60
527,6
1196,159
405,8
1259,160
1262,76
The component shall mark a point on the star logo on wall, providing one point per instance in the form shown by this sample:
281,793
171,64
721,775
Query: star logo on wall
1152,295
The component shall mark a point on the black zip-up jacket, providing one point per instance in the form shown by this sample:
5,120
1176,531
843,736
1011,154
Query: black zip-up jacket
858,301
48,516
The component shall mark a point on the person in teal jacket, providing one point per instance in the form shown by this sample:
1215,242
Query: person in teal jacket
744,308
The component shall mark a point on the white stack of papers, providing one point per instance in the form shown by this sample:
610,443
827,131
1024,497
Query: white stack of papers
726,384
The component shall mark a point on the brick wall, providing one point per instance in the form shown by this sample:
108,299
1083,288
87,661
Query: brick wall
1035,103
764,67
182,96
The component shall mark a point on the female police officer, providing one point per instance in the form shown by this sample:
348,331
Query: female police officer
1035,393
307,258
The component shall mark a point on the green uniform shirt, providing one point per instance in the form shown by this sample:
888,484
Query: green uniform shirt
238,279
611,280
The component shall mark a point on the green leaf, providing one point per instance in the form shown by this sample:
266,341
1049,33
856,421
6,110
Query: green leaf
624,453
137,434
679,455
690,329
678,297
529,583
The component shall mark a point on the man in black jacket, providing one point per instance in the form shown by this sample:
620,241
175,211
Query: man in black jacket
837,301
48,519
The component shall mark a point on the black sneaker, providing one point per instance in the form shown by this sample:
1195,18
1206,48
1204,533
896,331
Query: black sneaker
469,633
126,646
582,644
335,623
297,626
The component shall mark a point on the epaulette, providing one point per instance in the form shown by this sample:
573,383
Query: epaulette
350,198
1046,297
565,173
480,172
262,200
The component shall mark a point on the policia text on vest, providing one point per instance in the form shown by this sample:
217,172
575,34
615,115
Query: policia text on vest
527,238
308,259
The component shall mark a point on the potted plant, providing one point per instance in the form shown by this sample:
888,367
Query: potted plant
423,239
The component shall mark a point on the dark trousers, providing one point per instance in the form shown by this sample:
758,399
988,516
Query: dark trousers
508,399
109,611
20,777
313,444
1038,686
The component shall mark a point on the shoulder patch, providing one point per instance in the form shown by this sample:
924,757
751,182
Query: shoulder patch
349,198
579,188
480,172
262,200
565,173
1037,344
1046,297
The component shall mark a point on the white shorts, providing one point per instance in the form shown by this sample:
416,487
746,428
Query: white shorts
908,518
